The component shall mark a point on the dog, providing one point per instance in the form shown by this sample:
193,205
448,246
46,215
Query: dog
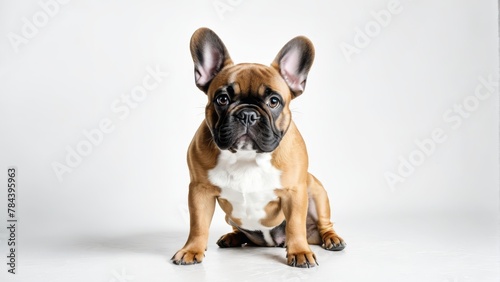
249,156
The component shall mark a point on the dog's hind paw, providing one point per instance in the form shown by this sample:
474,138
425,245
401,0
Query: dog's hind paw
233,239
333,242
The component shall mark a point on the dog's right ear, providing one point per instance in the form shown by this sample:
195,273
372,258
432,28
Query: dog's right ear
209,56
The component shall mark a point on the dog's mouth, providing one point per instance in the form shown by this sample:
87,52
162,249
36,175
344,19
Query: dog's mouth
247,128
241,139
243,143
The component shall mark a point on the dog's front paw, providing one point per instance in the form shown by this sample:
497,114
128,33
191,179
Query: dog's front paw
233,239
188,257
333,242
304,259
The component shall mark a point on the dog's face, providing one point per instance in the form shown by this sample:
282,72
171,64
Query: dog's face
248,108
248,104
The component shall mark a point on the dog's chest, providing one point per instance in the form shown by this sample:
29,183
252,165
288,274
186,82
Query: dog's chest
247,181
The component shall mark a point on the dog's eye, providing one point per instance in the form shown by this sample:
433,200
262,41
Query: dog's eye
222,100
273,102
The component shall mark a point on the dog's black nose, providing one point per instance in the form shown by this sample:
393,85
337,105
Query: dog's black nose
248,117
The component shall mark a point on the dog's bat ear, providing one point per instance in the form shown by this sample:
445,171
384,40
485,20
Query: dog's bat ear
293,63
209,56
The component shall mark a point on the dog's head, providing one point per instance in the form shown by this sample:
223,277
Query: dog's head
248,104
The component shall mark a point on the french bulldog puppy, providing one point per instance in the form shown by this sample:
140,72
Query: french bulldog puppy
249,156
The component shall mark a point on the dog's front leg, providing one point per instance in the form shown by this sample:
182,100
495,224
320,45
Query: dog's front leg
294,205
201,199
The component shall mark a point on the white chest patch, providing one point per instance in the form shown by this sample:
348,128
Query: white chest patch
247,180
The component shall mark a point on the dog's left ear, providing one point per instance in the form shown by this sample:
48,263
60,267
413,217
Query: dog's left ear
293,63
209,56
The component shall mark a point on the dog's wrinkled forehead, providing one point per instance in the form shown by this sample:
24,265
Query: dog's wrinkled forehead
251,79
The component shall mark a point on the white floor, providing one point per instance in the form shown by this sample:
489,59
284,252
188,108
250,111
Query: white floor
455,248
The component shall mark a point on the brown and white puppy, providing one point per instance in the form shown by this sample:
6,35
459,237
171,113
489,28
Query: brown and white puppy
249,156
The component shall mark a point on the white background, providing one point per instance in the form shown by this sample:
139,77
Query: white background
358,116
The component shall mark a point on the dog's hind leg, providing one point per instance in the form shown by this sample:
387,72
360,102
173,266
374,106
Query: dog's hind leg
319,226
